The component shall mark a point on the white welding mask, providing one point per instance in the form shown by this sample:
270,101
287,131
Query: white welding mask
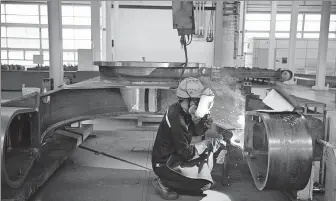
205,104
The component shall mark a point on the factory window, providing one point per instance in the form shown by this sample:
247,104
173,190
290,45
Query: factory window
2,9
257,22
3,32
68,56
22,19
83,11
23,32
45,44
21,9
76,44
76,56
257,25
23,43
15,54
312,26
82,44
312,22
82,34
256,35
283,22
282,26
82,20
68,33
76,21
22,62
29,54
76,15
313,17
77,34
68,44
44,33
258,16
28,20
3,43
44,19
311,35
43,10
332,35
332,26
46,56
67,10
286,35
282,35
3,54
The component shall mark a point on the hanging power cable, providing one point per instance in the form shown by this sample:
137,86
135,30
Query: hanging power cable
184,45
210,37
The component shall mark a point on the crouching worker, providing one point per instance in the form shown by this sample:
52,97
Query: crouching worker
180,165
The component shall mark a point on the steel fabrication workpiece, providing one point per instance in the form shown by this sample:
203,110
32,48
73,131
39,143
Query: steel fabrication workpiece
172,70
279,150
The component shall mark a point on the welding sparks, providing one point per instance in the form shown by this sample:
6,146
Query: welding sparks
241,119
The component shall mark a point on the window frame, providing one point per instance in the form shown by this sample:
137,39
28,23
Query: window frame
41,25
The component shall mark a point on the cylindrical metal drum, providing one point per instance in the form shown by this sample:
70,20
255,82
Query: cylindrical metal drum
279,150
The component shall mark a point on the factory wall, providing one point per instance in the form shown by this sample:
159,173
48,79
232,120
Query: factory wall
149,33
306,54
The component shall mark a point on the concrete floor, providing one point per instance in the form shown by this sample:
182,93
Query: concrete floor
90,177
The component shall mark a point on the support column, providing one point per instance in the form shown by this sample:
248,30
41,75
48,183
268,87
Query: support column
242,14
95,30
103,4
272,41
228,41
115,29
323,47
292,39
1,139
108,30
224,38
218,36
55,42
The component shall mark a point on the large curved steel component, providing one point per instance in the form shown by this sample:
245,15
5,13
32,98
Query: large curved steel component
27,121
149,71
279,150
66,106
19,137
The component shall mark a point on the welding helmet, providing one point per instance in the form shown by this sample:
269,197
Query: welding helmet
190,87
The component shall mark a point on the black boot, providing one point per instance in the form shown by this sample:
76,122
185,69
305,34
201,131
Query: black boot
164,191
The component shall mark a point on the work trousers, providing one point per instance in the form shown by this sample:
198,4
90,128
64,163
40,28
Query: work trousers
180,183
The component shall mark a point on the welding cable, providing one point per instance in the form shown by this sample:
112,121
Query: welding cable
110,156
184,43
189,41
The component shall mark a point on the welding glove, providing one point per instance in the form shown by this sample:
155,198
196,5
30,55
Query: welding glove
209,145
203,125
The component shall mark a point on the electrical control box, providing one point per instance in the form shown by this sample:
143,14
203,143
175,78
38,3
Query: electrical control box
183,17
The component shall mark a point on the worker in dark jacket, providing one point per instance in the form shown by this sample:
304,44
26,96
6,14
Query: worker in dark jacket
180,165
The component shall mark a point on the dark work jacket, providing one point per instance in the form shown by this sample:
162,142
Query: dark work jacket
176,138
